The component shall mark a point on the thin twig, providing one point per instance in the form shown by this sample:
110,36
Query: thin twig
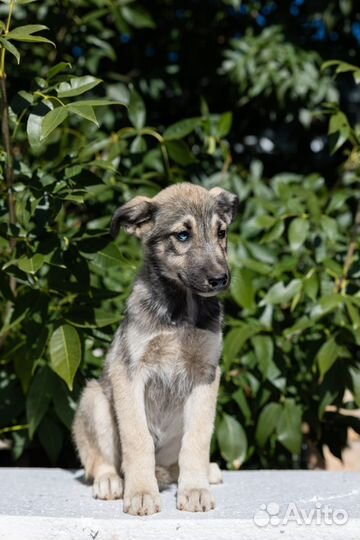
9,172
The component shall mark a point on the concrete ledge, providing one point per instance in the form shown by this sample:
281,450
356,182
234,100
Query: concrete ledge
37,504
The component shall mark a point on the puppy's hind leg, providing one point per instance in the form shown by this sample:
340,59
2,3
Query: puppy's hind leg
97,441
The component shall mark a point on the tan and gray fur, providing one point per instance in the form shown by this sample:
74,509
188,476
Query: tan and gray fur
150,417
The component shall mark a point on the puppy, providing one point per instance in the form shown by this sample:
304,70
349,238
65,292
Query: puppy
150,417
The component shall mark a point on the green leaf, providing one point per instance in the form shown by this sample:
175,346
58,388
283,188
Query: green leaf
52,120
311,286
98,102
288,428
264,221
64,404
33,128
19,34
58,68
339,125
85,111
232,441
108,257
77,86
242,288
104,318
179,152
298,230
136,110
235,340
327,355
267,422
326,304
137,17
28,29
31,265
353,313
181,128
355,379
38,399
224,124
65,353
264,351
51,437
10,48
274,233
138,145
330,227
281,294
239,397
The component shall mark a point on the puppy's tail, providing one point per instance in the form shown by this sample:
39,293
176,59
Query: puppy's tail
166,475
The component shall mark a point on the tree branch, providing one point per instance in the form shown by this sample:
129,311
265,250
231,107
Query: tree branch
9,172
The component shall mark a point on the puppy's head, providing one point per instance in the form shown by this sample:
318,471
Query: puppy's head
184,232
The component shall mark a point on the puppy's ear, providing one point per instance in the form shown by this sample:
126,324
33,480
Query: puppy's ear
136,217
227,203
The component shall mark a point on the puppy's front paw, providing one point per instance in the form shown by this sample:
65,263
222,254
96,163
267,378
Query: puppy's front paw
195,500
215,474
142,503
108,486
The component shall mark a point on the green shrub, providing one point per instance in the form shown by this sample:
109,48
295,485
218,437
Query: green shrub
73,149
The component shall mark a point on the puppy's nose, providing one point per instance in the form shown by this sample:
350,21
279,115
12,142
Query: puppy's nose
217,282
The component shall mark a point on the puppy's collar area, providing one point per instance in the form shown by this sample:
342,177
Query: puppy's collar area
170,304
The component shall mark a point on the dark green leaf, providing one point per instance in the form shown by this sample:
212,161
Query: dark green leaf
232,441
298,230
136,110
51,438
242,288
181,129
38,399
109,256
58,68
85,111
137,16
52,120
179,152
289,426
267,422
10,48
235,340
224,124
327,355
355,378
241,400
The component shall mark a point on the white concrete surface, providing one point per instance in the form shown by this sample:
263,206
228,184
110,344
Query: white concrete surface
47,504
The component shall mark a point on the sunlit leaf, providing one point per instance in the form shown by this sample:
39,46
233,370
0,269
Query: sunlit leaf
77,86
65,353
52,120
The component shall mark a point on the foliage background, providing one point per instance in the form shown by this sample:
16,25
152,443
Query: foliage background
137,95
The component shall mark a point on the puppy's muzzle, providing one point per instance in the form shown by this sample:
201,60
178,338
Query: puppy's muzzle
217,283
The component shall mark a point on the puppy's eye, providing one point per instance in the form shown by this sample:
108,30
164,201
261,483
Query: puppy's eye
221,233
183,236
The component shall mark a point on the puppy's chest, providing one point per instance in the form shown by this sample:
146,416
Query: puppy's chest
179,358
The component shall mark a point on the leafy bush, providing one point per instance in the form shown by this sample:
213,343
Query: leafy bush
267,64
73,149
